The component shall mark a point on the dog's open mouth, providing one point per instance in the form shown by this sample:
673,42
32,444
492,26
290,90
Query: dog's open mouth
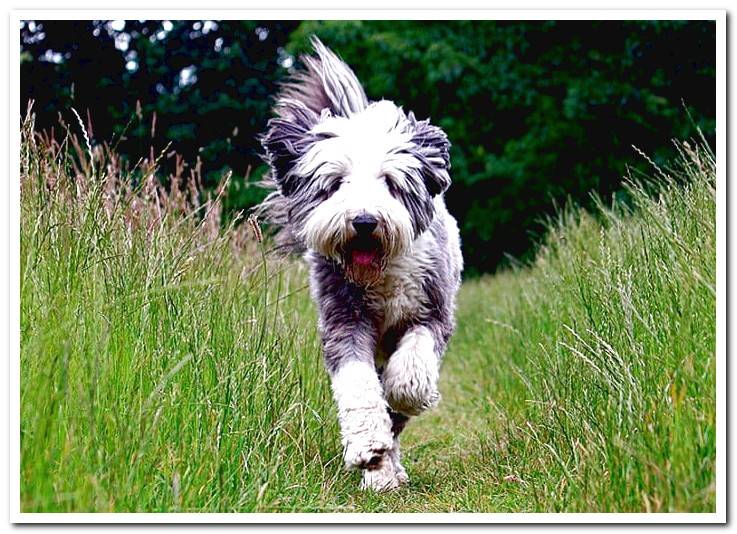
363,259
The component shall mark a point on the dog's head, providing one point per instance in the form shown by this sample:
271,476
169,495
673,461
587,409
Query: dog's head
357,179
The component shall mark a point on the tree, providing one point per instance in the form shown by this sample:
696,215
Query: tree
203,86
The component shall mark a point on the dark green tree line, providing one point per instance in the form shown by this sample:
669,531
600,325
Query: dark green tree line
538,112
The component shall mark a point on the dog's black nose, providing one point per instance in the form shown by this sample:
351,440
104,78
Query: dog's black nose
365,224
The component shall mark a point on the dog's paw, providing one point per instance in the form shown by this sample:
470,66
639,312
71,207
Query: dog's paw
412,400
366,450
411,377
399,472
382,477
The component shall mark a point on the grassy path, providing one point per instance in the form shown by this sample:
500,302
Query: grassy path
455,454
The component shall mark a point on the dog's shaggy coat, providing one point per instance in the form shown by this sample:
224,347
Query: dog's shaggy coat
358,187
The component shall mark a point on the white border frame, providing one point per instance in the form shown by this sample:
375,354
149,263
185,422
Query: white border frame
13,68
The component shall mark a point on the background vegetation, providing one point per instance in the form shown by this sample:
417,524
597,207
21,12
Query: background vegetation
168,365
539,112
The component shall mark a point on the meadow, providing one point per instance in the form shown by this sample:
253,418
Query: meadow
170,363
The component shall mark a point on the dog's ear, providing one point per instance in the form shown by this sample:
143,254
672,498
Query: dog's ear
432,148
288,138
327,83
327,87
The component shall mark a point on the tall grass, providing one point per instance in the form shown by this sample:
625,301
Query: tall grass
164,365
168,363
595,367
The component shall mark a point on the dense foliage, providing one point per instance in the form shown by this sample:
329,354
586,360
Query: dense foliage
538,112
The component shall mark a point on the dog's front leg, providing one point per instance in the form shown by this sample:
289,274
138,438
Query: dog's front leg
365,424
411,383
364,420
411,374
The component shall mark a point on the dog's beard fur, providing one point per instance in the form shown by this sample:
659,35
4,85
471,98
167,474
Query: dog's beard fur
365,272
363,258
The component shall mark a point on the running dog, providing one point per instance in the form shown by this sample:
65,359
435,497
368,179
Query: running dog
358,189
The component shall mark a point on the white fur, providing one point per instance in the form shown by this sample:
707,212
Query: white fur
411,374
362,413
399,294
389,474
394,457
366,427
385,477
363,151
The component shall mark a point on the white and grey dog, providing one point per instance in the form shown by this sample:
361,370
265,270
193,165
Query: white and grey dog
359,189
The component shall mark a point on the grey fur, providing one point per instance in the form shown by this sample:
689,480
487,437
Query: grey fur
358,320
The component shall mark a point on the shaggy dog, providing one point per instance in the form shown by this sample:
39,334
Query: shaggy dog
359,189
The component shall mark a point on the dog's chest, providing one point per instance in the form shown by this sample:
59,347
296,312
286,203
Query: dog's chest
401,295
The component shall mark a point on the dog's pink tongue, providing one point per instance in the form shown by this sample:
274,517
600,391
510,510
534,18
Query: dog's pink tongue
364,257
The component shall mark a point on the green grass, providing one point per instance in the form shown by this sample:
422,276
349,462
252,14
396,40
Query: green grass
167,365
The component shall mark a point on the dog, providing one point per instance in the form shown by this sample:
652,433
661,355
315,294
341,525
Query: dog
358,189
